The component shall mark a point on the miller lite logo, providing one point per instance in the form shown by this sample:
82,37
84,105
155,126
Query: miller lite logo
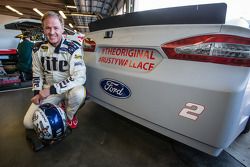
53,64
115,88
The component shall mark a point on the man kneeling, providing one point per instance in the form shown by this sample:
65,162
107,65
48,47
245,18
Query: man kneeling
59,72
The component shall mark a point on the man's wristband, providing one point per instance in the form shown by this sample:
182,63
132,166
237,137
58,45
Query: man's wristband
52,90
36,92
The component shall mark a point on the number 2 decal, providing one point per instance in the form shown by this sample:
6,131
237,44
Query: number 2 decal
192,111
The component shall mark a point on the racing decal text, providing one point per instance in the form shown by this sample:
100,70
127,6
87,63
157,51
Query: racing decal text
192,111
130,58
63,84
53,64
148,54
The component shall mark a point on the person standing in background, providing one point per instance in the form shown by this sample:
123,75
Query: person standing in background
24,63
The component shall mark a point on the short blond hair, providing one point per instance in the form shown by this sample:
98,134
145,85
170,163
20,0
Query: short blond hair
53,14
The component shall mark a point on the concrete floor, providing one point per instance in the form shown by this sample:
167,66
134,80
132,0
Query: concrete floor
103,139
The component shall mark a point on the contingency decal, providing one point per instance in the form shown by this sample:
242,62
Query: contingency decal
130,59
115,88
192,111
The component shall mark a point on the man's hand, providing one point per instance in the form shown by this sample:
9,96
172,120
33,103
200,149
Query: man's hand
44,93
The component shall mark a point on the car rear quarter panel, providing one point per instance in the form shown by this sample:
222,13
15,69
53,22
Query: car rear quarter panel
8,40
159,96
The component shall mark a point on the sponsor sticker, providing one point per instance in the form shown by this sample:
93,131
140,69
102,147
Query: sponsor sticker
78,64
44,47
63,49
115,88
77,56
129,59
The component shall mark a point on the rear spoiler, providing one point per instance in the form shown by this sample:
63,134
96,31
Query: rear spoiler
195,14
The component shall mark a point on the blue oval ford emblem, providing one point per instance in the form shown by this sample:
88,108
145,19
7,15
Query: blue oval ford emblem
115,88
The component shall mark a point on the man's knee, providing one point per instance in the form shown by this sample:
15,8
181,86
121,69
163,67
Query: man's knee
28,124
78,92
27,120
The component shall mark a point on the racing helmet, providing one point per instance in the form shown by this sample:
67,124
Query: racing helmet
49,122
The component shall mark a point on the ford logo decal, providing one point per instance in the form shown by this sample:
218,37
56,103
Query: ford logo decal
115,88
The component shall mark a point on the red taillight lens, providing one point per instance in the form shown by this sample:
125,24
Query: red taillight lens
89,45
216,48
8,51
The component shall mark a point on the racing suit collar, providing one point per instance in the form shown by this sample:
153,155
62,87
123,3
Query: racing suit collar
58,47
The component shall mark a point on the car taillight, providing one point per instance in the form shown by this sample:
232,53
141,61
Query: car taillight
8,51
89,45
216,48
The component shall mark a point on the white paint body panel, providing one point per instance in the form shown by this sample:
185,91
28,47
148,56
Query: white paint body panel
158,96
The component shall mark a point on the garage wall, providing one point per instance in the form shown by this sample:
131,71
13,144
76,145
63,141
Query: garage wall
5,18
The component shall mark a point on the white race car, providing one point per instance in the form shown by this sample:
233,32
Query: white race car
180,71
